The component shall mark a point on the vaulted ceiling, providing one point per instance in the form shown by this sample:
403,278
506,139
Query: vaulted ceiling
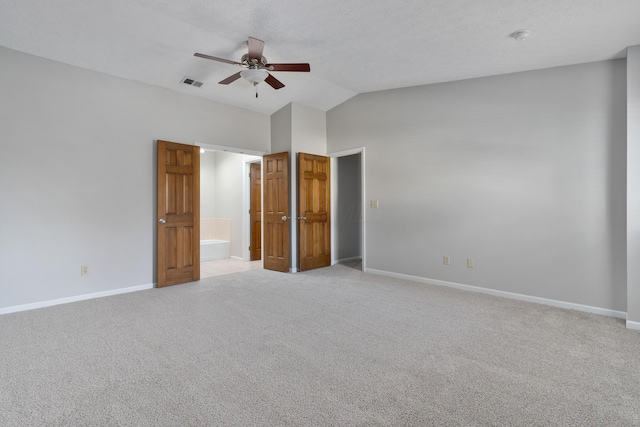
353,46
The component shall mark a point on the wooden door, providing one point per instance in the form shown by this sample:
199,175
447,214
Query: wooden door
178,213
275,178
314,211
255,213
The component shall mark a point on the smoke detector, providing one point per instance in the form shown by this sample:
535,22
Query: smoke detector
521,35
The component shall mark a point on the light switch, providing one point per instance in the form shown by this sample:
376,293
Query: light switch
374,204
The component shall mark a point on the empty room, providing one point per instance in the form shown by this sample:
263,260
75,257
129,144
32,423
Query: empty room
431,210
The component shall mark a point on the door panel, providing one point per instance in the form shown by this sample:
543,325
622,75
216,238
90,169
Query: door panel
314,211
275,176
178,213
256,211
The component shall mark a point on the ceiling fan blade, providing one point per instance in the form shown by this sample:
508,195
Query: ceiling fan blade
255,49
273,82
215,58
288,67
230,79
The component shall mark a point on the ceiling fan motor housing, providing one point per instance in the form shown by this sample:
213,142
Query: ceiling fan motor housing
254,63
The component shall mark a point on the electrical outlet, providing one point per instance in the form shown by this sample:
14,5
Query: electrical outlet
446,260
470,262
374,204
84,270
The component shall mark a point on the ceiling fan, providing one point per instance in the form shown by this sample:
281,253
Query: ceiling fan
256,66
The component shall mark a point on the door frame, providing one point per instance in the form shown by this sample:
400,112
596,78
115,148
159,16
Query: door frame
214,147
246,205
334,201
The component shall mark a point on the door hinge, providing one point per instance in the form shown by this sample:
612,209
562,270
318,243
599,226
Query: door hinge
249,248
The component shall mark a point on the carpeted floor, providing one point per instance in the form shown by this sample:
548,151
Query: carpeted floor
328,347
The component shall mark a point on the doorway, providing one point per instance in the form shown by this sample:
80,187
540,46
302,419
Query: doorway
225,221
349,211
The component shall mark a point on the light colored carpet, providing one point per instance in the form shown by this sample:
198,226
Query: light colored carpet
328,347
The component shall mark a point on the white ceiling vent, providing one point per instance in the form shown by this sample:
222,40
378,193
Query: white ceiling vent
191,82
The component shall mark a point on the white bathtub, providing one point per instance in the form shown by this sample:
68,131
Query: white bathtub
214,249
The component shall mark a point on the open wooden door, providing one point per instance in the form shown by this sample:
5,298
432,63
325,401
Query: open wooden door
178,213
275,178
314,211
255,212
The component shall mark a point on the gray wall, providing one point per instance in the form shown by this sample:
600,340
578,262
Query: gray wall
230,185
308,130
77,174
208,184
348,223
281,130
522,172
297,129
633,185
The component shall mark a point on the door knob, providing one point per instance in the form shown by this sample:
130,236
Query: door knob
302,217
284,217
162,221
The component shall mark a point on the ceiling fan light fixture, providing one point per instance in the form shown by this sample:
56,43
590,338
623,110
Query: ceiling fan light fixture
254,76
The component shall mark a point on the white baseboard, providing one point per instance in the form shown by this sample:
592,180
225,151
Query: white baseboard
633,325
42,304
345,260
510,295
237,257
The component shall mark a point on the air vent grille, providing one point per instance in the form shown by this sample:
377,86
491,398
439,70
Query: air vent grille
191,82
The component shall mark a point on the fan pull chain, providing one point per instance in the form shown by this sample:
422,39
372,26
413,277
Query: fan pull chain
255,88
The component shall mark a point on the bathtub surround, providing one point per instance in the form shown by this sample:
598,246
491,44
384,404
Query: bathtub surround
326,347
215,229
215,238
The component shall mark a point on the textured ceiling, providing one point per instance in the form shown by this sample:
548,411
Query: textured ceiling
353,46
